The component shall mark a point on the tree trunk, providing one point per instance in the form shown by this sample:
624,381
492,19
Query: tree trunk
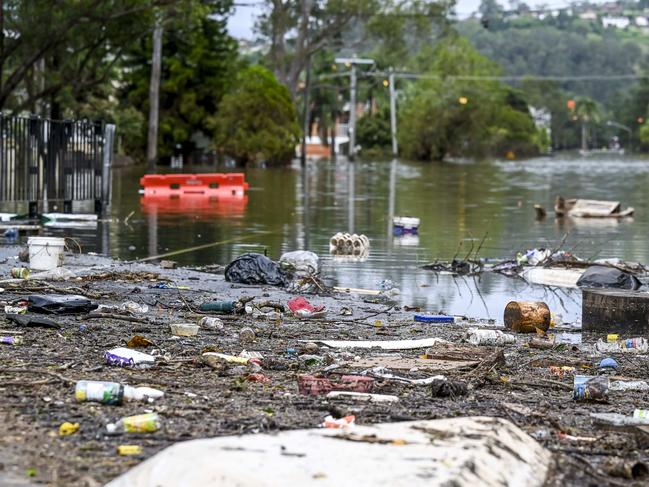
154,97
584,137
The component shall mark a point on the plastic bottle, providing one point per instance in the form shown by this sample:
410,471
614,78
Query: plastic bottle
211,323
142,423
20,272
589,388
489,337
630,345
221,306
113,393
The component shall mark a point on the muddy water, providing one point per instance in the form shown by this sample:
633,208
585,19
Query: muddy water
458,204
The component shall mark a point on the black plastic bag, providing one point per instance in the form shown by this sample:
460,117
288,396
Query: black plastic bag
32,321
255,269
598,276
59,304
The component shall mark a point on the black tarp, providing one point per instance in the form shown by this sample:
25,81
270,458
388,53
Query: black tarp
608,277
255,269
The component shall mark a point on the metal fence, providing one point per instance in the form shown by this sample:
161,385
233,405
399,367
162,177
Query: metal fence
44,161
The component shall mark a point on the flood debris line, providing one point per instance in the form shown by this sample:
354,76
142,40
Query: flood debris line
109,370
554,267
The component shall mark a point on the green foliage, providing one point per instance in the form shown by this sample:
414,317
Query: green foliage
60,53
549,48
452,117
257,121
373,131
198,65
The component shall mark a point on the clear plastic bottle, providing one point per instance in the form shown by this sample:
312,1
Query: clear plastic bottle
113,393
142,423
489,337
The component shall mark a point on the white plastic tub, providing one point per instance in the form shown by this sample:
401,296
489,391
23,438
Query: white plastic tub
45,253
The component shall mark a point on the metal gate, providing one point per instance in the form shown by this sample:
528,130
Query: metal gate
44,161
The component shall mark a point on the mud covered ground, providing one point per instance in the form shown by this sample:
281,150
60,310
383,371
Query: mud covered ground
38,378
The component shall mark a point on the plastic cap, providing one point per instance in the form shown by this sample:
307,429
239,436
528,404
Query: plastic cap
111,427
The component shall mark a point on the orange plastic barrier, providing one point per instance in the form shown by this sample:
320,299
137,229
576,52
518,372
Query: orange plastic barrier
210,185
196,205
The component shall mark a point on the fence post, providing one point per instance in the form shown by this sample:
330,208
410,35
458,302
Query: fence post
109,138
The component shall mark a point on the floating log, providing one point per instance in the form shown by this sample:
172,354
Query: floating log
527,316
615,311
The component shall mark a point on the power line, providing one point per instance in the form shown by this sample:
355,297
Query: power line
408,75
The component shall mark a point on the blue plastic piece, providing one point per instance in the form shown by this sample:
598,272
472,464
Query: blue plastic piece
608,363
434,318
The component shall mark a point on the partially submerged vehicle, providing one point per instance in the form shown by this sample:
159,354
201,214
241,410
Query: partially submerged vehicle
580,208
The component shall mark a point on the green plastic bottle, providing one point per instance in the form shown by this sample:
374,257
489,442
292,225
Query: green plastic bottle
220,306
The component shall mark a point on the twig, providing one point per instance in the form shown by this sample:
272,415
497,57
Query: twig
114,316
37,371
475,256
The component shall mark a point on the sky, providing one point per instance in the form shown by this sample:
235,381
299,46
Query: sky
241,24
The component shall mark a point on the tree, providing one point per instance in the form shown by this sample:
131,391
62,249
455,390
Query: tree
444,116
52,53
373,131
199,63
297,30
257,121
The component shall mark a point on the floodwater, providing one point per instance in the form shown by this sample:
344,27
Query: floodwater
458,203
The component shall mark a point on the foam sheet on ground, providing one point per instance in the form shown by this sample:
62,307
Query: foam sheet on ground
459,451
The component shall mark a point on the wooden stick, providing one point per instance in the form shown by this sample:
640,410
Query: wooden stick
200,247
113,316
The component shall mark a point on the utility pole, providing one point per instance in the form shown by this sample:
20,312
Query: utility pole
352,113
305,121
306,12
154,96
393,113
352,62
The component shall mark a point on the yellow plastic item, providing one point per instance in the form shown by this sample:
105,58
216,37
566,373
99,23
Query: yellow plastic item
129,450
68,428
142,423
612,337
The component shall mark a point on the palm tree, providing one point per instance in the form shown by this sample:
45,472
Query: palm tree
587,112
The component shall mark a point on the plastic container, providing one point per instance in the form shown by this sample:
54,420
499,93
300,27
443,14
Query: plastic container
589,388
630,345
211,323
45,253
220,306
435,318
9,340
126,357
113,393
20,272
489,337
142,423
184,329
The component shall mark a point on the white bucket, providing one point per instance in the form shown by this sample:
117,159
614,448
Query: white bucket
45,253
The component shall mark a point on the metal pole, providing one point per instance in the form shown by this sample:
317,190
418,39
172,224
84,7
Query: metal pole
109,137
305,119
393,114
352,113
